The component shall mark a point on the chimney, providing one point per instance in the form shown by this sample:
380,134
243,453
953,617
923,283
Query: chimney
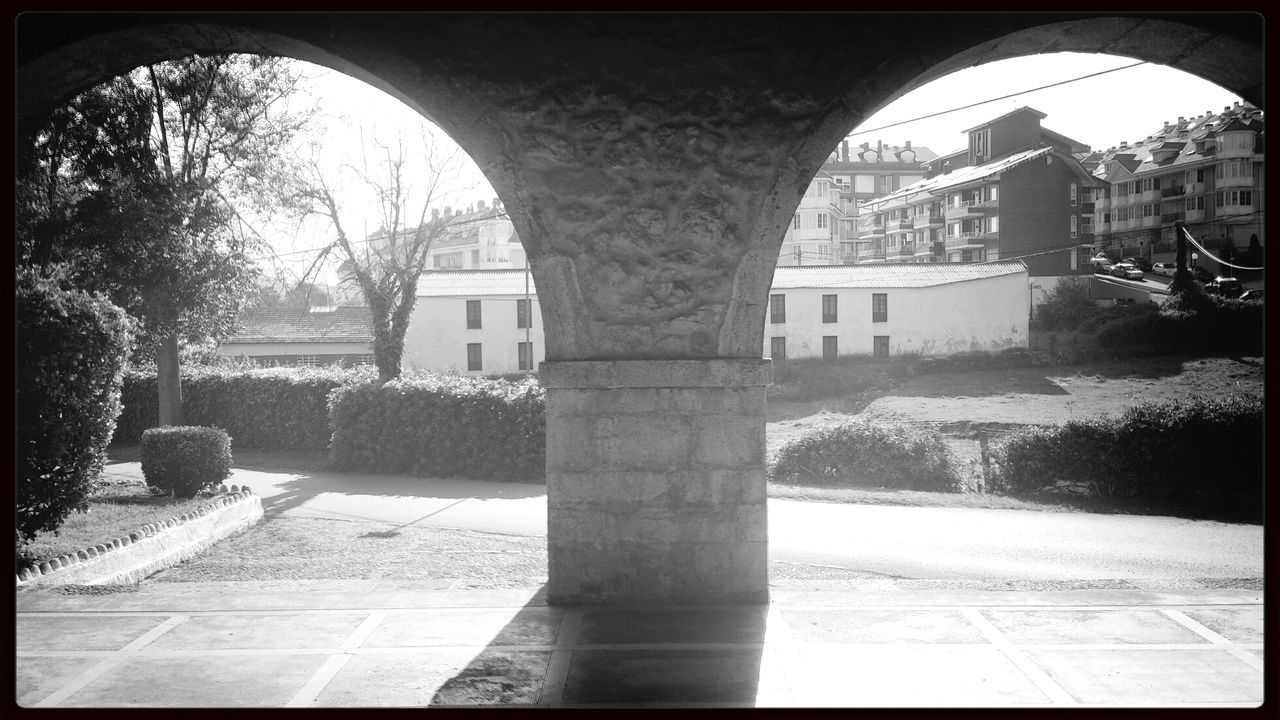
1181,119
844,150
866,146
879,148
908,145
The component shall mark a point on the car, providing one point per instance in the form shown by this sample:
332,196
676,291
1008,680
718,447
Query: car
1227,287
1100,264
1129,271
1255,294
1141,263
1204,276
1165,269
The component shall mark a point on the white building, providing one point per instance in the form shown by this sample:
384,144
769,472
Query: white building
480,238
814,235
471,322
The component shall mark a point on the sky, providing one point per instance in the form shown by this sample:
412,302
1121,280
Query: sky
1100,111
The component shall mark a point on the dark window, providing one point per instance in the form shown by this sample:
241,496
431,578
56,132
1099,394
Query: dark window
473,357
829,347
525,350
828,308
523,319
778,348
881,346
879,307
777,308
473,314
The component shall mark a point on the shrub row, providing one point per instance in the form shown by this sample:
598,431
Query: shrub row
1181,450
863,454
71,348
265,409
1220,326
441,426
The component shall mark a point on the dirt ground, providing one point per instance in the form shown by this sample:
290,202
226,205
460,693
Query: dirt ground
959,404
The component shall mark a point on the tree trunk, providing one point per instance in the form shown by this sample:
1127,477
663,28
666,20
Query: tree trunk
169,381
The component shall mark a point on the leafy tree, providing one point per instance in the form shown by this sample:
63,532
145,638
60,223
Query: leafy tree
140,185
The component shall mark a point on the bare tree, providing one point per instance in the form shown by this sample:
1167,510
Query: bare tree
385,265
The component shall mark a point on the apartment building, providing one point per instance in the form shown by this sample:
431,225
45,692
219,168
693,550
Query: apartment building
814,235
1206,171
1016,191
480,237
865,172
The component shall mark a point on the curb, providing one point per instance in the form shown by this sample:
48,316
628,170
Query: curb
150,548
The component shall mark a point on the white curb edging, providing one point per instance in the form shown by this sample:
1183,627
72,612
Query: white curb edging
150,548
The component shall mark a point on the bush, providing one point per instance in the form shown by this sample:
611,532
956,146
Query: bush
440,426
182,460
862,454
1222,326
1066,306
284,408
1181,450
71,348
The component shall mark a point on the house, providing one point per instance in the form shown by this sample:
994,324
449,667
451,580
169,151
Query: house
303,336
475,322
480,237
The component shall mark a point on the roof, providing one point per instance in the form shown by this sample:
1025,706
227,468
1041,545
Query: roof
339,325
891,275
473,283
972,173
1016,111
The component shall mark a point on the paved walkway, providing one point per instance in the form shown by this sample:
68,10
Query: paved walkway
356,643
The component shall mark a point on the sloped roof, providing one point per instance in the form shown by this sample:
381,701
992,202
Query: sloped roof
341,324
972,173
890,275
473,283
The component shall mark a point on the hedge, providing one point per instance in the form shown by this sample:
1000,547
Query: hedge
863,454
1222,326
1182,450
282,408
71,348
441,426
182,460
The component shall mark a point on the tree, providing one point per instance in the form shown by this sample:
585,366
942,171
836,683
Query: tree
140,185
387,264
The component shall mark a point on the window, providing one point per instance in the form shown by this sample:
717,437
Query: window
473,357
879,307
1073,193
828,347
777,308
473,314
828,308
364,360
796,223
880,346
822,220
525,351
1074,225
979,144
475,258
523,318
308,360
778,348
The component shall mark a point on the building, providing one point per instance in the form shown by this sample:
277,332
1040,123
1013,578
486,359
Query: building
1016,191
475,322
814,235
1206,171
296,336
479,238
867,172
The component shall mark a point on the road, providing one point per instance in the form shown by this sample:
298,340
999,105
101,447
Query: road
867,541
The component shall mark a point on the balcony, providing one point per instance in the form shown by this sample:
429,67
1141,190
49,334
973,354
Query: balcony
965,241
900,252
1102,204
1195,216
1171,217
870,254
1235,182
1149,195
1087,208
1173,192
991,203
929,221
870,232
923,249
898,225
962,211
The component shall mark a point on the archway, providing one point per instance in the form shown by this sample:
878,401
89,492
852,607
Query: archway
650,164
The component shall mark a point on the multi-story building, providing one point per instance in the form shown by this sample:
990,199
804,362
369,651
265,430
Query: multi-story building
1016,191
1206,171
814,235
479,238
865,172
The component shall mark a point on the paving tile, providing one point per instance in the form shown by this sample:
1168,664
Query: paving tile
1237,624
437,677
528,626
1151,676
101,632
203,681
235,632
663,676
1090,626
38,677
881,626
672,625
909,676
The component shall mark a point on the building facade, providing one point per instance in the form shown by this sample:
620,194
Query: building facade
1016,191
865,172
308,337
1206,171
814,235
480,237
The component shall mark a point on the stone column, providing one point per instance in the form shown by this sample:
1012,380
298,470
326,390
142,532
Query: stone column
656,480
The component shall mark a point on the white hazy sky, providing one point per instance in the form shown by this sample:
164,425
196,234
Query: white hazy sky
1102,111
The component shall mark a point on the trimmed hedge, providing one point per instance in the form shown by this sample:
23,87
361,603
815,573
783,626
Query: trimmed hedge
182,460
1182,450
863,454
441,426
283,408
71,348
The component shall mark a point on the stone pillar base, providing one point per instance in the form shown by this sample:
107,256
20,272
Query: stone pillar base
656,481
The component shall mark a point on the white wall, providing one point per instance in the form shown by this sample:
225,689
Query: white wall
437,337
989,314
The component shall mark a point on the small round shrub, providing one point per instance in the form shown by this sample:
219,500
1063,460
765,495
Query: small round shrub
182,460
863,454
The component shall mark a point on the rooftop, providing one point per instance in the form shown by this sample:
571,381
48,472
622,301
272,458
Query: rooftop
340,324
891,275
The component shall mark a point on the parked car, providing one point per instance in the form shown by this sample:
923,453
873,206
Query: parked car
1255,294
1165,269
1101,264
1204,276
1129,271
1228,287
1141,263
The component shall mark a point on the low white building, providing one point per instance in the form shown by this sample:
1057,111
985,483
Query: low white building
471,322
